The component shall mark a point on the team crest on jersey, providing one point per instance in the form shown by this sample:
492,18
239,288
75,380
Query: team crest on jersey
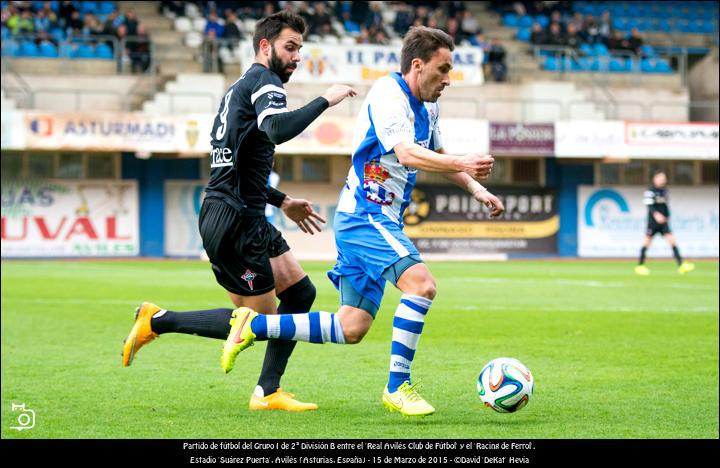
249,276
375,178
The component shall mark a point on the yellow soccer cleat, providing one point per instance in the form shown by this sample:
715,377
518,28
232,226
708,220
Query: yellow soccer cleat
686,267
280,400
407,401
241,336
642,270
141,333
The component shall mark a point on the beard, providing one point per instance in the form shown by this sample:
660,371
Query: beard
281,68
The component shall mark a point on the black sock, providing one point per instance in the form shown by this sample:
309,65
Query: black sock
213,323
676,252
642,255
297,299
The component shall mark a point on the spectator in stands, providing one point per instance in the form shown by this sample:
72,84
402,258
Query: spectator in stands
42,22
91,26
591,32
635,41
618,41
48,13
519,8
268,9
469,25
554,36
374,17
577,21
605,26
453,30
537,35
422,14
303,9
364,36
131,22
322,25
359,12
232,30
556,18
380,38
403,18
174,8
351,27
21,22
75,25
65,14
211,53
213,24
139,50
572,39
496,59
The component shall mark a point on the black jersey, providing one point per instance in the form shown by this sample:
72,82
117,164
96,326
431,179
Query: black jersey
242,154
656,200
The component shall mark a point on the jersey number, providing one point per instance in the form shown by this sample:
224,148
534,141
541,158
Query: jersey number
220,133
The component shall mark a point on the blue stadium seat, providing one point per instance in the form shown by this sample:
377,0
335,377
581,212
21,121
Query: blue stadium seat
103,51
664,25
58,34
586,49
10,48
551,64
542,20
5,33
523,34
84,51
525,21
89,7
601,49
65,50
510,20
106,7
584,63
48,49
647,51
619,23
616,64
29,49
661,66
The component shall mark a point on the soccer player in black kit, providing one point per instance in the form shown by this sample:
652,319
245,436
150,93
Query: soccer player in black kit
656,199
249,256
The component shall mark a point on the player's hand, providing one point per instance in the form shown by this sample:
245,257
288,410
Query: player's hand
491,201
478,166
303,214
659,218
336,93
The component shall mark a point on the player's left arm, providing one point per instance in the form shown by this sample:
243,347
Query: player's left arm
480,193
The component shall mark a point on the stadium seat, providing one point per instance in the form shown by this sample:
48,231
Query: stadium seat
58,34
661,66
103,51
525,21
551,64
586,49
616,65
65,50
5,33
106,7
647,51
183,24
192,11
10,48
348,41
542,20
601,49
584,63
664,25
89,7
330,39
193,39
523,34
198,24
510,20
29,49
84,51
48,49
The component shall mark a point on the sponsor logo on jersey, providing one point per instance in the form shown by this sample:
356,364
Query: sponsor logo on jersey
221,157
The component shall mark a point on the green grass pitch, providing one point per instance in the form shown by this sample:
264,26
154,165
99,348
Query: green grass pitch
614,355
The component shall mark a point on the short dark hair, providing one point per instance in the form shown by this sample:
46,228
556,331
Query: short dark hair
422,42
270,27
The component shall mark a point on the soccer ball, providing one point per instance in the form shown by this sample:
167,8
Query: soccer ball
505,385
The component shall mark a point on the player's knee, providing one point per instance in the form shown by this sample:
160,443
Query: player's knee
427,289
354,334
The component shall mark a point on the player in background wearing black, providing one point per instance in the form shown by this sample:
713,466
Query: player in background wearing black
656,199
249,256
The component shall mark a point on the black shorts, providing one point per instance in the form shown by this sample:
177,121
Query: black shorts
657,228
240,248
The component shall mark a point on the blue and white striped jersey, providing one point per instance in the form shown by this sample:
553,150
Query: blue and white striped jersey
390,114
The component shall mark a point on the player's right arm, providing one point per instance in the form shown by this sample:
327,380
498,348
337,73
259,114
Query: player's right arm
649,200
476,165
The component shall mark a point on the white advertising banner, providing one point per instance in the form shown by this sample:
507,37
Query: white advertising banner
365,63
58,218
13,136
612,222
182,208
636,140
118,131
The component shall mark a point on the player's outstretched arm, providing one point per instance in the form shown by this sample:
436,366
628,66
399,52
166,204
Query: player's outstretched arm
287,125
302,213
476,165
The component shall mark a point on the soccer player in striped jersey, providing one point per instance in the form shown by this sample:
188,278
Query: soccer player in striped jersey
396,135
